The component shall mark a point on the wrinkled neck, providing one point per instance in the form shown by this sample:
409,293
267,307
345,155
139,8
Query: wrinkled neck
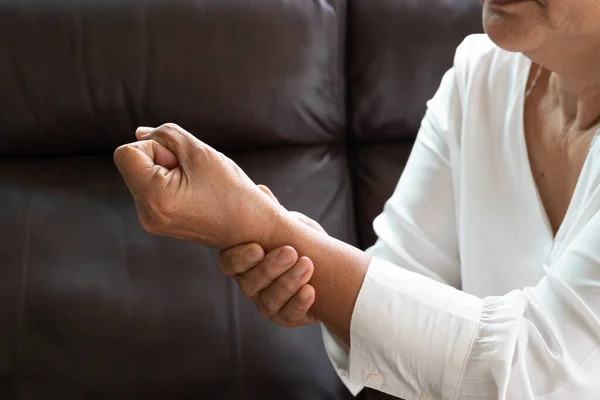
572,79
578,100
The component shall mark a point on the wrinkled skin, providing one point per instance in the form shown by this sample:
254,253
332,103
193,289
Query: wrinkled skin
553,33
199,195
277,282
169,205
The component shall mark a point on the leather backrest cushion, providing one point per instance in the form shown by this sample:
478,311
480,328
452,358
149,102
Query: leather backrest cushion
94,307
79,76
398,51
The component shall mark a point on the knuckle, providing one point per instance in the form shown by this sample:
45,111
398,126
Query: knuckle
242,285
260,275
231,263
290,317
261,311
257,275
269,304
279,260
235,267
282,322
265,273
224,264
170,129
246,286
244,257
289,285
200,154
175,135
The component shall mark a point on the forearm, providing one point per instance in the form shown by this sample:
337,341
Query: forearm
338,274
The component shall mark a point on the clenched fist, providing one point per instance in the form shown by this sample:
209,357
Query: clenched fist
186,189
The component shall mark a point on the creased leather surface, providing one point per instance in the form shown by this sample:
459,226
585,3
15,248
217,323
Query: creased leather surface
78,76
100,308
398,51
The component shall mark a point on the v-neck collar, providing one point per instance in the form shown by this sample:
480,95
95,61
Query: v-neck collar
576,198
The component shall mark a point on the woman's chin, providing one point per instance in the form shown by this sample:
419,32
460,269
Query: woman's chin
511,33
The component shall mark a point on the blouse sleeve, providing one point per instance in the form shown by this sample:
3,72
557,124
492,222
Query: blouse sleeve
412,336
415,335
417,228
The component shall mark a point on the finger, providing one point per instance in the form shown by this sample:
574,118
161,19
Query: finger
135,162
157,153
239,259
274,297
308,221
275,264
268,193
165,158
173,137
142,131
160,154
296,311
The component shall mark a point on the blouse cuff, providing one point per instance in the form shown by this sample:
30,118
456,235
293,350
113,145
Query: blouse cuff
493,347
338,355
410,335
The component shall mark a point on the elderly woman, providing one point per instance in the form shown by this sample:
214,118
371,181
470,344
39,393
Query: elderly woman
485,280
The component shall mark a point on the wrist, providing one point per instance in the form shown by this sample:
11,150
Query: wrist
276,228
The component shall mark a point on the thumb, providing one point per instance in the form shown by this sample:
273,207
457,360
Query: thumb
177,140
162,156
135,162
143,131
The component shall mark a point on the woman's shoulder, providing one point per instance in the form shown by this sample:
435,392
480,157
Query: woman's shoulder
478,51
480,95
482,67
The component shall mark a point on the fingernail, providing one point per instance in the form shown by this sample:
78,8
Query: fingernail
300,269
286,256
143,131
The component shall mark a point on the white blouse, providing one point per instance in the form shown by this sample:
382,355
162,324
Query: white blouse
469,294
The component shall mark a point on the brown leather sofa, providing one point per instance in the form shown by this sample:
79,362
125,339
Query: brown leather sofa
318,99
